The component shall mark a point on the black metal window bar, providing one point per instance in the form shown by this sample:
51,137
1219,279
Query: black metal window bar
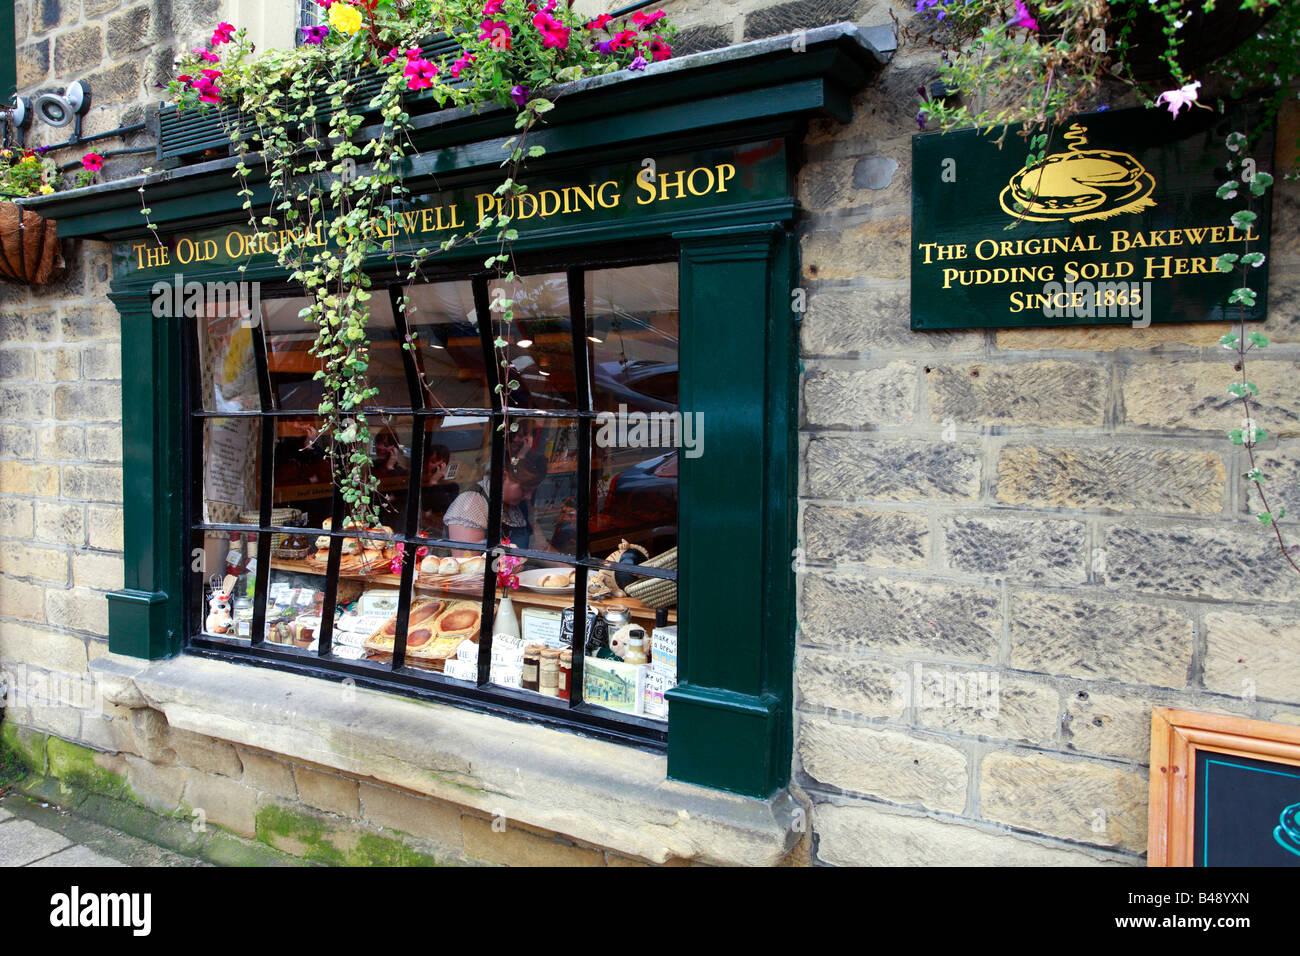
573,713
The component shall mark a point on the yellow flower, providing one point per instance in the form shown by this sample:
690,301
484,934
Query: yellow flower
345,18
46,189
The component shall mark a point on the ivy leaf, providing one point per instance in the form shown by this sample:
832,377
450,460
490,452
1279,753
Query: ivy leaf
1228,190
535,151
1225,262
1255,475
1265,518
1243,218
1229,341
1236,436
1259,339
1253,259
1260,183
1243,295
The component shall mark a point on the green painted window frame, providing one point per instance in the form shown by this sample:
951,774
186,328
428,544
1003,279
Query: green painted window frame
8,53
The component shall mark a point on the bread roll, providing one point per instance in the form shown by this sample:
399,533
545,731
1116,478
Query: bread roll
472,565
429,565
448,566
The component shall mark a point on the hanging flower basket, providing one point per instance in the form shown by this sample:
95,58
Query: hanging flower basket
29,246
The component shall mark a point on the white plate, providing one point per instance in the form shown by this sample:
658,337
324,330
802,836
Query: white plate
530,579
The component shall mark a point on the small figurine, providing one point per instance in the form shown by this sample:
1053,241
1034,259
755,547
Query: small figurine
219,619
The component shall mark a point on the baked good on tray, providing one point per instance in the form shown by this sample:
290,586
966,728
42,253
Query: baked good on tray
419,627
459,620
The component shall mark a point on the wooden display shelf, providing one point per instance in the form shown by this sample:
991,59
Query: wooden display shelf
520,598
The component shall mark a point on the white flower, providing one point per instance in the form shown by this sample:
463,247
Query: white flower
1179,98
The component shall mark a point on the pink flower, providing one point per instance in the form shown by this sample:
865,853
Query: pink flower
222,33
659,50
207,56
212,74
496,32
1023,19
419,74
554,33
460,63
493,6
207,90
598,23
324,3
1179,98
93,162
623,38
391,56
645,19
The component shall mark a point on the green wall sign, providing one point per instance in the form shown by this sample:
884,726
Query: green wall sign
1117,223
673,185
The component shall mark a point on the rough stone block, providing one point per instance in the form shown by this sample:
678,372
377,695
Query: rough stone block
92,483
16,441
33,63
1109,338
328,792
516,846
119,84
946,621
61,524
30,402
50,650
128,32
17,364
868,687
849,535
889,764
267,773
104,443
16,518
850,323
102,361
866,835
78,50
1223,563
58,364
101,571
407,813
204,753
860,397
1132,643
1087,801
982,703
86,402
38,563
1108,725
105,527
798,15
62,442
1114,477
1193,396
78,609
1252,655
1062,394
877,249
1040,552
22,600
223,802
897,470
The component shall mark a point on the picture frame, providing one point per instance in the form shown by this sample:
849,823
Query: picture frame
1180,740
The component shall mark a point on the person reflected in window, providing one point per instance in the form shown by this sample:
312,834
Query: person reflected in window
436,493
467,517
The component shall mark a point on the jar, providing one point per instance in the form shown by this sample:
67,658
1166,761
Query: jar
532,665
243,614
566,674
635,647
548,677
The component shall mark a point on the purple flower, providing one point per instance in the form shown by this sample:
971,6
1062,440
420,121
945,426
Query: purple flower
1103,108
315,35
638,64
605,46
519,94
1023,19
920,121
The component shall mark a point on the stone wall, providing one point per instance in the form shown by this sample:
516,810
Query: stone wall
1018,542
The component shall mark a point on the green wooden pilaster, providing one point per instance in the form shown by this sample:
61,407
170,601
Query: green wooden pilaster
730,715
144,618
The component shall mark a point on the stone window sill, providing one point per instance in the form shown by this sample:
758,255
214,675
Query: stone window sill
593,791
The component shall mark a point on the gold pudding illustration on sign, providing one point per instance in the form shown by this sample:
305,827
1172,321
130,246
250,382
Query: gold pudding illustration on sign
1078,184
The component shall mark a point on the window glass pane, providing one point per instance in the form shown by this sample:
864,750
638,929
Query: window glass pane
634,498
232,476
541,340
289,339
632,327
631,659
448,350
295,597
390,448
227,369
224,571
457,457
302,480
545,453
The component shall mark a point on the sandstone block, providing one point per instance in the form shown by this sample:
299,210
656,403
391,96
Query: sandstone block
898,470
1063,394
860,397
1042,552
863,536
1252,653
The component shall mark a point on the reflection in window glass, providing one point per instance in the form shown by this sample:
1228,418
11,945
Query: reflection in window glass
457,457
293,367
301,477
632,328
231,474
448,350
541,341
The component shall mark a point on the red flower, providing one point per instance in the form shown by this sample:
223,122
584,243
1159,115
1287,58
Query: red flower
645,19
659,50
493,6
599,22
212,74
419,74
464,60
496,32
207,89
624,38
554,33
222,33
93,162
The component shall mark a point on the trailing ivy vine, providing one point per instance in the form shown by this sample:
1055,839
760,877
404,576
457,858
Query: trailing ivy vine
335,160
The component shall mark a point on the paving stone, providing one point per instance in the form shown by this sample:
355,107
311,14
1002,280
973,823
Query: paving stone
23,842
77,856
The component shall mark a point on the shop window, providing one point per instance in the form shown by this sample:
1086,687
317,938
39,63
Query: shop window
525,553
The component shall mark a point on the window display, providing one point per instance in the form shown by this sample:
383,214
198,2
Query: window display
500,526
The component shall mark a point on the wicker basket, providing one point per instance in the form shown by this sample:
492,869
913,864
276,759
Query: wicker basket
29,246
657,592
281,518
